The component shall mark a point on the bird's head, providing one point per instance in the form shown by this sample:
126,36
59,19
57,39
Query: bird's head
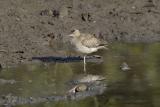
75,33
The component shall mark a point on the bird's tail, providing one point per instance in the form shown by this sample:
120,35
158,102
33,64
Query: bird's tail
103,47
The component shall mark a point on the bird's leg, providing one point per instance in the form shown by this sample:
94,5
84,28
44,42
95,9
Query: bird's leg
84,63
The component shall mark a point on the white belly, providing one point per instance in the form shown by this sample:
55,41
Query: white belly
86,50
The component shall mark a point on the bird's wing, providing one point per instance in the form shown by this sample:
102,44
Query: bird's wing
90,41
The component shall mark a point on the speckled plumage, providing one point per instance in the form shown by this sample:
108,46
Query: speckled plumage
86,43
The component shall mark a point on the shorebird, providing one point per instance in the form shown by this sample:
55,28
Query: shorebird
86,43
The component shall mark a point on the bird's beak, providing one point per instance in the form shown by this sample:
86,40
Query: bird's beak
71,35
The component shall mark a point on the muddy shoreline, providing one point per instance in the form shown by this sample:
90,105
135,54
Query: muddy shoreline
33,28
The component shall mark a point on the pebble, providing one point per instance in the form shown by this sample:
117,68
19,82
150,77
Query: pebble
86,17
30,81
78,88
125,66
46,12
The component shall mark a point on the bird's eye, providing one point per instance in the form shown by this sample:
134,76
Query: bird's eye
72,30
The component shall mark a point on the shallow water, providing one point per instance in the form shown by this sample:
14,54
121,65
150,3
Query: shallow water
137,87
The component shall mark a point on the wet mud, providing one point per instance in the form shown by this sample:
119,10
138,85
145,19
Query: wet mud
34,28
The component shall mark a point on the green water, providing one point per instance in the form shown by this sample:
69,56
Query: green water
138,87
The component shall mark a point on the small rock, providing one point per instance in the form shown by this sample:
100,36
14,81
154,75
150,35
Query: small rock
46,12
86,17
78,88
125,66
81,87
51,35
18,19
133,7
55,13
30,81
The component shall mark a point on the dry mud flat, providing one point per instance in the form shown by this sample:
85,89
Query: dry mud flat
27,26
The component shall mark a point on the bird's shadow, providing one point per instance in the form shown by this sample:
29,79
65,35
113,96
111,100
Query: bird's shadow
67,59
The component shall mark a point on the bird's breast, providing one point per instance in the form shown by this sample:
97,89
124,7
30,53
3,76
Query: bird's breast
86,50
